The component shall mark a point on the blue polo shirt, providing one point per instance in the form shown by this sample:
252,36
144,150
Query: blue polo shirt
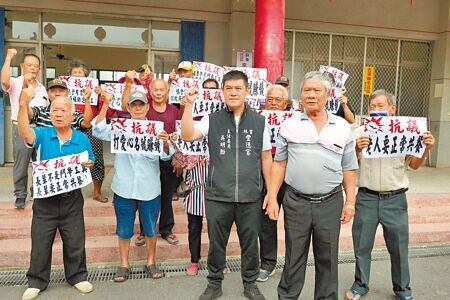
48,141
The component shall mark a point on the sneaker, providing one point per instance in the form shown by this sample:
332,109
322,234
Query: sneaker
251,291
84,287
405,297
192,269
264,275
211,292
30,294
20,203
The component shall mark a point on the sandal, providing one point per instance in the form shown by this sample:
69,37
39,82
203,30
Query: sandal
140,241
101,200
122,274
171,239
153,272
352,295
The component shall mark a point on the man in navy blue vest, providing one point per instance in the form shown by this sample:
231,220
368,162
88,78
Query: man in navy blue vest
239,149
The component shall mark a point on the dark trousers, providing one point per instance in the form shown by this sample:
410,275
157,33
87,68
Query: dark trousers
392,213
168,183
64,213
21,156
195,226
268,237
220,217
303,219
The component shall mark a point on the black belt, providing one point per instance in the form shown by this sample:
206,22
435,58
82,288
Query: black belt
66,194
383,194
316,198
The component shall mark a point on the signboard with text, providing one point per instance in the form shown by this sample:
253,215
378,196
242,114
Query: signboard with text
394,136
136,136
60,175
76,85
369,75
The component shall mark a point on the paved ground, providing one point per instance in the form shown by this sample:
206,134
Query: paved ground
428,282
428,274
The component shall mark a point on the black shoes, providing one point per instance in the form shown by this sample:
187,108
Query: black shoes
211,293
251,291
20,203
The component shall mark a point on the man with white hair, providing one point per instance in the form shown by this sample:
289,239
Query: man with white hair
315,157
62,212
276,100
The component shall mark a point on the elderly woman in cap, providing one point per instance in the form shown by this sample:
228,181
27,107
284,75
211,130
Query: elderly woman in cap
77,68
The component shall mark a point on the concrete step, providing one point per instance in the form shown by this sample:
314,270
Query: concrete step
91,209
100,219
94,226
15,253
418,234
428,213
104,249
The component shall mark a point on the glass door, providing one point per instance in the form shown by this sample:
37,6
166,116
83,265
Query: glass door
164,62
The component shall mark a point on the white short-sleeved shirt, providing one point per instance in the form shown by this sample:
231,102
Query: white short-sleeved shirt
203,126
15,88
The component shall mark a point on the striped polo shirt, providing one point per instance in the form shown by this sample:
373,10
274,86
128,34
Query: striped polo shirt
315,162
41,117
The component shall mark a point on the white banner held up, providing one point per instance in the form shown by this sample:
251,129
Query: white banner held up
116,89
191,148
60,175
204,70
208,102
257,82
76,86
179,86
274,119
340,77
394,136
136,136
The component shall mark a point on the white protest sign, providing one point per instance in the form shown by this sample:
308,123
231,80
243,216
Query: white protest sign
204,70
257,83
333,103
394,136
116,89
340,77
208,102
136,136
60,175
274,119
199,147
76,86
178,87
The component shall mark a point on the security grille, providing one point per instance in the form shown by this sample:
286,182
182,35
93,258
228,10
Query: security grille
401,67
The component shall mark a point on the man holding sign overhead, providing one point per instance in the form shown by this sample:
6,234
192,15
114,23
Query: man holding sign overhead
381,197
63,211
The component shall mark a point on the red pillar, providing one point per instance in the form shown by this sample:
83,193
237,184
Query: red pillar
269,37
